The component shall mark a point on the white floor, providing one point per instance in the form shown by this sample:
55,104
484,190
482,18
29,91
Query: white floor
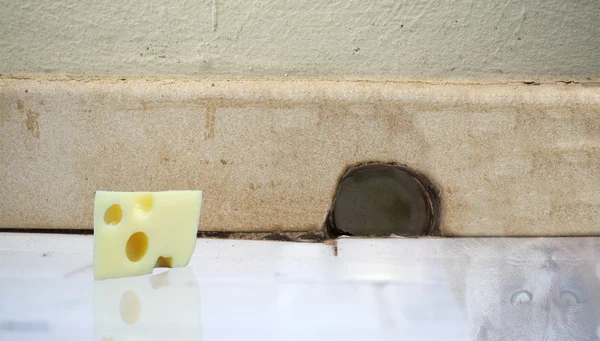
374,289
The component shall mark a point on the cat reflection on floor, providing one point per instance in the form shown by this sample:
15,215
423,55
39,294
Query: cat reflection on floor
527,289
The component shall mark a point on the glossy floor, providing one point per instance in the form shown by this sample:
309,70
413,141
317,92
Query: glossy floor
373,289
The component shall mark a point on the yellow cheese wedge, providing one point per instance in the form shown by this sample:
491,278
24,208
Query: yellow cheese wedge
137,231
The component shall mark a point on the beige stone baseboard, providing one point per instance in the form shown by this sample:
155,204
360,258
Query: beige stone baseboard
510,159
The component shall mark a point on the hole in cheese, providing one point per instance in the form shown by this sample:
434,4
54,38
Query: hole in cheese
113,215
164,262
144,203
137,245
130,307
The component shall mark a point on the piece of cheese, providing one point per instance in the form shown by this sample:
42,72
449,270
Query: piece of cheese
137,231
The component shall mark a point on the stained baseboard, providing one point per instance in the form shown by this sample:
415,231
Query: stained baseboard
508,159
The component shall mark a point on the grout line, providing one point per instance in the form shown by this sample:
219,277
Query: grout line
151,78
48,231
296,236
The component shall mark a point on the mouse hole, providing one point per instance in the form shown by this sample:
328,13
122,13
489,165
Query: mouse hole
383,199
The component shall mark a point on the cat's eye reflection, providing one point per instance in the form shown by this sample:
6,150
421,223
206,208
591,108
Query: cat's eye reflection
569,298
521,297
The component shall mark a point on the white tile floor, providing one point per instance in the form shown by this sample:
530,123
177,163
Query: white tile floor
374,289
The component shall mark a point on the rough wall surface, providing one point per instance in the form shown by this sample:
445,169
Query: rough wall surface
508,159
406,39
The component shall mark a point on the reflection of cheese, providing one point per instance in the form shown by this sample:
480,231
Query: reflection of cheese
136,231
160,307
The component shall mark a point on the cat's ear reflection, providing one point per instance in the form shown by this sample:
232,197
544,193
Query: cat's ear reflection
482,334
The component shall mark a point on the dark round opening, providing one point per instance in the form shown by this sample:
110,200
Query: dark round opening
379,199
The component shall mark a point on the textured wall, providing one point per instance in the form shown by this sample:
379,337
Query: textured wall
508,159
409,39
